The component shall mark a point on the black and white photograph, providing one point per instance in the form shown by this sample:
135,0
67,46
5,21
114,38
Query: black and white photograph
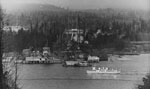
74,44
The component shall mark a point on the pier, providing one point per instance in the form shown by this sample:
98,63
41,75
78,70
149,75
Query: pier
40,62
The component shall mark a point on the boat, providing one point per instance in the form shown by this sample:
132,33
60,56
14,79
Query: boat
103,71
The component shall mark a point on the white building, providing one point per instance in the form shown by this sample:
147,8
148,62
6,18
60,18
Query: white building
14,28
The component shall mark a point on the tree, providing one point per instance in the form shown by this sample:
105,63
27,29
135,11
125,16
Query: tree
146,83
1,66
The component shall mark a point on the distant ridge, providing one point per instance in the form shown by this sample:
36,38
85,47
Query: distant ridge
34,7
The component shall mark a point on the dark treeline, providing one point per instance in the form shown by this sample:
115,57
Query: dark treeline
1,52
47,29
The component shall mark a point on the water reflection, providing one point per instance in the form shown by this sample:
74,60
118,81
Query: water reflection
103,76
50,76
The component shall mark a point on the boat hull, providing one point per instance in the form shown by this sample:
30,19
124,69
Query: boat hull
101,72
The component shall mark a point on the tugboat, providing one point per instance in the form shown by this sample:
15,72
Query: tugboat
103,71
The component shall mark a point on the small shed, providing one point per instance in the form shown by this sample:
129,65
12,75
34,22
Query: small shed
46,51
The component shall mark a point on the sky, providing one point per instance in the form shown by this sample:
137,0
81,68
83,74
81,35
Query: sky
83,4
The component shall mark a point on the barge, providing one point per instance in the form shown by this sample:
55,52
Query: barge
76,64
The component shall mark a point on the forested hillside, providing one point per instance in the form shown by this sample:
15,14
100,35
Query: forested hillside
104,28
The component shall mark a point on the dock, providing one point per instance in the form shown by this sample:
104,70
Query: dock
40,62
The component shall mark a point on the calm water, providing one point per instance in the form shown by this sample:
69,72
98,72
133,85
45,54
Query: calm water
54,76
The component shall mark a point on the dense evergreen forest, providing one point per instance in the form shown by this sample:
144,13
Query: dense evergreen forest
106,28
